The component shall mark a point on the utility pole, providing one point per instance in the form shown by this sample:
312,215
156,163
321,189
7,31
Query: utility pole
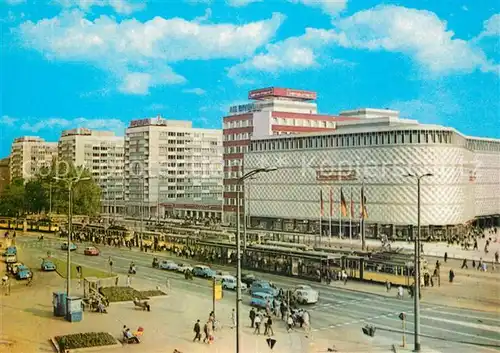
238,250
416,265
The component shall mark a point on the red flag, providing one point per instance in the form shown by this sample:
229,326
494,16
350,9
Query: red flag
352,206
364,212
322,207
331,202
343,204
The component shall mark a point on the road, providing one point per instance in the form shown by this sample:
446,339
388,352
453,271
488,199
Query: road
444,328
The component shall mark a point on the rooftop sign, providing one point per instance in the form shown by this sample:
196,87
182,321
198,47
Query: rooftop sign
282,92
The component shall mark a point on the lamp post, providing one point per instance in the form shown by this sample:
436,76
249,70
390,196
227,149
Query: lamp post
246,213
238,249
416,264
70,182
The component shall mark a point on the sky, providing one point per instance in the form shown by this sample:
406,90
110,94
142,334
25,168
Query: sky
101,63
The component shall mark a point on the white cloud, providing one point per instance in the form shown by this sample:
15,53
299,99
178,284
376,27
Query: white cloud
156,106
124,7
205,17
137,53
15,2
197,91
464,8
7,120
417,33
491,27
330,7
294,53
115,125
241,3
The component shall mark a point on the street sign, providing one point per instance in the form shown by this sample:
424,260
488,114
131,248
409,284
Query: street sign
369,330
217,288
271,342
402,316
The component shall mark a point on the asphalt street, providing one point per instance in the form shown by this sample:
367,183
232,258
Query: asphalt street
444,328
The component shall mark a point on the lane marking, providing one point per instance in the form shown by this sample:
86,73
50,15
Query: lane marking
467,324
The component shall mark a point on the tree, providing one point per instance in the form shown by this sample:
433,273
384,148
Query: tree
12,202
36,196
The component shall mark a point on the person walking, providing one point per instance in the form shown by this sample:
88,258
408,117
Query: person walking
451,275
269,326
206,339
252,317
233,319
289,322
464,264
197,331
129,280
257,322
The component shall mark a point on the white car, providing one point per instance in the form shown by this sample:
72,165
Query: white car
229,282
184,267
305,295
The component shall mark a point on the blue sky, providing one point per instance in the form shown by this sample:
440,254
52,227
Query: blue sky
101,63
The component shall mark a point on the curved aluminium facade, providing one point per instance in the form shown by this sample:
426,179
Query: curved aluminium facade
466,181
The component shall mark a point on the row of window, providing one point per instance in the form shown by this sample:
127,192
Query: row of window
236,149
355,140
232,202
238,124
238,137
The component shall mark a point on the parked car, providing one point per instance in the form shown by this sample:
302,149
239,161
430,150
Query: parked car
203,271
168,265
183,268
23,272
263,287
305,295
13,267
248,279
260,300
48,265
91,251
11,250
11,258
229,282
72,246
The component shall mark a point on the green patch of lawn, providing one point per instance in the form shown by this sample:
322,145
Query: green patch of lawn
85,340
123,294
61,269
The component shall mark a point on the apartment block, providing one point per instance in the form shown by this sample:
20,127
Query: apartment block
102,153
273,111
173,169
29,154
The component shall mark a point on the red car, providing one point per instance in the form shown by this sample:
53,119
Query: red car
91,251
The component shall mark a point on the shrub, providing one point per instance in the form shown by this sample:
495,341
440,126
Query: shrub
123,294
85,340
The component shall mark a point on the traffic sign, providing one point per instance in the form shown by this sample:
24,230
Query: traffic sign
271,342
402,316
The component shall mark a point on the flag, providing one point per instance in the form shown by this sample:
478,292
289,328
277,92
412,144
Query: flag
343,204
322,208
331,202
352,206
364,212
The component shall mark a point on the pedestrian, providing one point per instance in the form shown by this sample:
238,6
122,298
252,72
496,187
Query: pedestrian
257,322
116,281
400,292
445,256
451,275
269,327
206,339
289,323
496,256
129,280
387,285
197,331
464,264
252,317
233,319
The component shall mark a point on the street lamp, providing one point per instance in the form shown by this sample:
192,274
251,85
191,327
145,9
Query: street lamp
416,264
70,182
238,249
141,177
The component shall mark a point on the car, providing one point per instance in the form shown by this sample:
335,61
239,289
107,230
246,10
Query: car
11,250
203,271
168,265
229,282
91,251
248,279
305,295
261,300
48,265
263,287
183,268
13,267
72,246
23,272
10,258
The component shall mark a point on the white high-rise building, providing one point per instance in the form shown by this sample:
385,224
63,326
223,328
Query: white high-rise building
102,153
173,169
29,154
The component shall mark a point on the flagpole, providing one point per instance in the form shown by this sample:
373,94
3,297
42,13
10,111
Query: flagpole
330,222
350,219
340,215
320,220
